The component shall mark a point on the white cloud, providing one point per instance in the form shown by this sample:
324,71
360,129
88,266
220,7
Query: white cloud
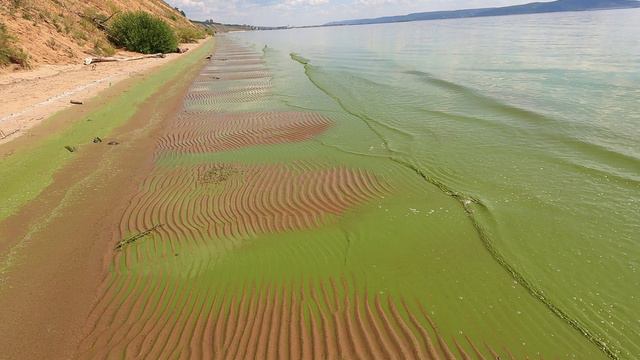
314,12
306,2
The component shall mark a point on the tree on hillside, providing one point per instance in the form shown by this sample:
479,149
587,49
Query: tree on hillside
180,11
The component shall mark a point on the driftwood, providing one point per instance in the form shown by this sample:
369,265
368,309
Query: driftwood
134,238
4,135
76,102
99,22
89,61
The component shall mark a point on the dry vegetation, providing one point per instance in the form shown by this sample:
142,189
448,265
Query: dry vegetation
35,32
9,52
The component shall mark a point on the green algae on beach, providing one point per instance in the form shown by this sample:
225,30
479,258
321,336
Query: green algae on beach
25,173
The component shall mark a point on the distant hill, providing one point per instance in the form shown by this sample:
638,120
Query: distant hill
531,8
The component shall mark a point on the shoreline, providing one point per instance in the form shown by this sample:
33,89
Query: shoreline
50,286
75,125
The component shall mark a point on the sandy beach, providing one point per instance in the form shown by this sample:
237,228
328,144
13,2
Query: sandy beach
50,286
29,97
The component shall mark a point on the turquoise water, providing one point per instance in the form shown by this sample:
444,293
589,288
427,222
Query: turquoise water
531,123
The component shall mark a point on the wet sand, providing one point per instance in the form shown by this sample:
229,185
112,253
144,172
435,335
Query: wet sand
30,97
57,249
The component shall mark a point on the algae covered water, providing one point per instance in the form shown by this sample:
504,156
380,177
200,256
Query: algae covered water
510,152
437,190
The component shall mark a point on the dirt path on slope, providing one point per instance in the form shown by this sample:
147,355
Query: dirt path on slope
67,234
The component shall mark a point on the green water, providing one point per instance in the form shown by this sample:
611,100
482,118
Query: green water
513,148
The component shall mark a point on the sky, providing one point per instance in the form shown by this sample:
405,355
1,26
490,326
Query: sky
316,12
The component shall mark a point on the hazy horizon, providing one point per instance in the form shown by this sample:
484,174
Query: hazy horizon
316,12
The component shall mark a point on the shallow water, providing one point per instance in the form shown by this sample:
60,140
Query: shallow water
512,146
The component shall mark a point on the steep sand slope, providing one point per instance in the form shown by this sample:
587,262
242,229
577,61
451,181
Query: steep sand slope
63,32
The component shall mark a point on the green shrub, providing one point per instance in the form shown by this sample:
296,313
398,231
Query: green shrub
142,32
190,35
9,53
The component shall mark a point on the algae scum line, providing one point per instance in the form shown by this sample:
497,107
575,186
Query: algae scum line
468,203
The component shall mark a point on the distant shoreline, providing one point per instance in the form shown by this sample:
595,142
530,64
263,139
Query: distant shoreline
526,9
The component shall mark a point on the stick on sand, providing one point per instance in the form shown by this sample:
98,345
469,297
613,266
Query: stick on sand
93,60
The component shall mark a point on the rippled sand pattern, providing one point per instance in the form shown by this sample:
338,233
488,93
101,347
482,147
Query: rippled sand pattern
244,94
203,132
225,203
313,320
166,297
